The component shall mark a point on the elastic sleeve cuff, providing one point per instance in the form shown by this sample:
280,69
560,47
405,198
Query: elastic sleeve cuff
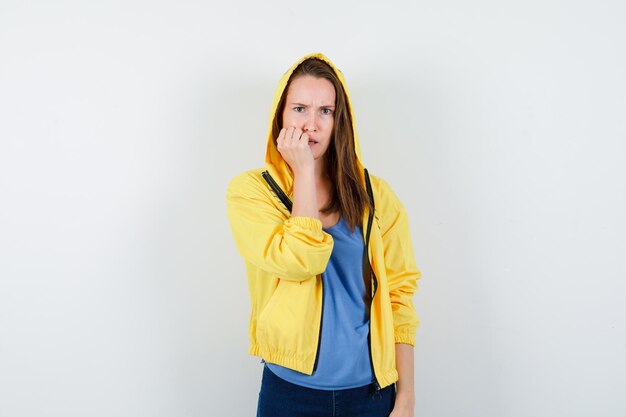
405,336
306,222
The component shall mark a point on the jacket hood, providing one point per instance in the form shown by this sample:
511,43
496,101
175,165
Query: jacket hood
274,162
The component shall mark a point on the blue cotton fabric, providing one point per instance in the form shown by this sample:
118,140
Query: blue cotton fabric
344,358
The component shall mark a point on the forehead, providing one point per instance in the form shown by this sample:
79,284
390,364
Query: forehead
308,88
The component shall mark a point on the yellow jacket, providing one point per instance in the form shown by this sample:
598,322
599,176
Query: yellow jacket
285,257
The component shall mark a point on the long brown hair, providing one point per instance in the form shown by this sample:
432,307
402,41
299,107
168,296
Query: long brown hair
348,195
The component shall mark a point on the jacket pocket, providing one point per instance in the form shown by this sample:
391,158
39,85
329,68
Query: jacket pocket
266,312
290,320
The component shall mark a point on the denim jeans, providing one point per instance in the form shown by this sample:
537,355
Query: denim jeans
281,398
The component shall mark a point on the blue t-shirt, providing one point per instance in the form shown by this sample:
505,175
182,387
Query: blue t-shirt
344,358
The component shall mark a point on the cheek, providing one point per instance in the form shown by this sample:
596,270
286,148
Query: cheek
290,120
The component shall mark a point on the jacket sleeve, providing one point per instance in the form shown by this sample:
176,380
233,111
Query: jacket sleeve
402,272
294,249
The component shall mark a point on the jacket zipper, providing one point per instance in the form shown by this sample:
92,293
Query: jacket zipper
319,336
372,275
279,192
288,204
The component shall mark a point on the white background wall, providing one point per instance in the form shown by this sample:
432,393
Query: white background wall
501,126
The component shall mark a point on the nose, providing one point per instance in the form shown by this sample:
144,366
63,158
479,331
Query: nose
310,124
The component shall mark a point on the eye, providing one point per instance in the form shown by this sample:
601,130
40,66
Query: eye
329,111
299,107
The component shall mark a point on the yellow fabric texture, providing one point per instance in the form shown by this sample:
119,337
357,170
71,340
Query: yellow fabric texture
285,256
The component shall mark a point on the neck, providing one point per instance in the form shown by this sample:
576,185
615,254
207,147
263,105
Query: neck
321,175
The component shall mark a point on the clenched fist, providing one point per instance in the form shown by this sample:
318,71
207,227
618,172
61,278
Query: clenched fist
293,145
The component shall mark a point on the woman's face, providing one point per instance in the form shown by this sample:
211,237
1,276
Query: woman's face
310,105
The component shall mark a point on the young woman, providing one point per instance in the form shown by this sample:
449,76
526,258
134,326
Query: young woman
330,263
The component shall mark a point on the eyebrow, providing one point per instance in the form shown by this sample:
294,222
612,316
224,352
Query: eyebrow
304,105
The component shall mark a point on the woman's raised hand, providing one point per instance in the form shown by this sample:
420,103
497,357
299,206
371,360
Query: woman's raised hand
293,146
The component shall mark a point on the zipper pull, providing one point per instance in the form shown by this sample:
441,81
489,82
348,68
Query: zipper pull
376,394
